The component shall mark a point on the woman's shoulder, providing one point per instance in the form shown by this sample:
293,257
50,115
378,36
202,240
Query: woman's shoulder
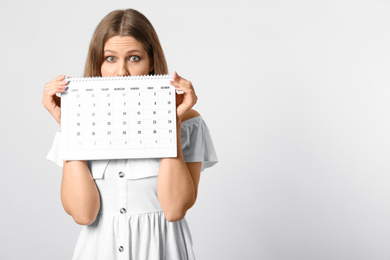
190,114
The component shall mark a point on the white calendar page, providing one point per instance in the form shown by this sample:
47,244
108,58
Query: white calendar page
118,117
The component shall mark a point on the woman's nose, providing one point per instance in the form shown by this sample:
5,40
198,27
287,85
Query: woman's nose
122,70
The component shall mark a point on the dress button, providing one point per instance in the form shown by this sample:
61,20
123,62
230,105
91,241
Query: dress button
121,249
123,210
121,174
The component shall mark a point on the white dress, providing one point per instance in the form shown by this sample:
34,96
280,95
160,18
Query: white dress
131,223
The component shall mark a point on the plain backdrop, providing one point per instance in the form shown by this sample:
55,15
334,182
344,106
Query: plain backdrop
295,94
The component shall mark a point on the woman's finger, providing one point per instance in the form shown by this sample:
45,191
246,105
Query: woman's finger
182,84
51,91
60,77
57,84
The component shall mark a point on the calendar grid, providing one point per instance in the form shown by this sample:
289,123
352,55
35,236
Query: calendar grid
118,117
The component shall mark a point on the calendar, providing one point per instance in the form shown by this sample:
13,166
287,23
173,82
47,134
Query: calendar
118,117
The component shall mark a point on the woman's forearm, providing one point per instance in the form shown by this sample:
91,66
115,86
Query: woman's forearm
176,190
79,194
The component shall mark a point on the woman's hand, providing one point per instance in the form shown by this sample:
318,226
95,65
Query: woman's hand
185,101
50,101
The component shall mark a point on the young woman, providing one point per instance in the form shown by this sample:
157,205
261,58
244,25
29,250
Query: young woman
133,208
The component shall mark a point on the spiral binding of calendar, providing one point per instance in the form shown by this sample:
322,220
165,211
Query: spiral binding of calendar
115,78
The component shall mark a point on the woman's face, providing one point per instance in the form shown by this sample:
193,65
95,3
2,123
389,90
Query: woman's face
125,56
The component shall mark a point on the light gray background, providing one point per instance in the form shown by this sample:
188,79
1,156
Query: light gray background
296,96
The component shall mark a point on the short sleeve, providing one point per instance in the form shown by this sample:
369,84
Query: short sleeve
97,168
54,153
196,142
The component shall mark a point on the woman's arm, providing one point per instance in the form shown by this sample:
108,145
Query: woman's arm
178,181
79,194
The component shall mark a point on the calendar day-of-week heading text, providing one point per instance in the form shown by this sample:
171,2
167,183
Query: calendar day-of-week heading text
119,89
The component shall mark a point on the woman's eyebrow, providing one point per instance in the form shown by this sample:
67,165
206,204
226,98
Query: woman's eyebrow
131,51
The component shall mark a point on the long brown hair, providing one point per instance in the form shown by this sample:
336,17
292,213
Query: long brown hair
127,22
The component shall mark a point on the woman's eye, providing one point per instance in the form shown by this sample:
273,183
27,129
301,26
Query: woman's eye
134,58
110,58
